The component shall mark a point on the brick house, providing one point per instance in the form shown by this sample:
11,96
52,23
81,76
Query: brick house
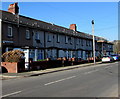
41,40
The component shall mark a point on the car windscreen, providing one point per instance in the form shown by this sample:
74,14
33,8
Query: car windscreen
106,56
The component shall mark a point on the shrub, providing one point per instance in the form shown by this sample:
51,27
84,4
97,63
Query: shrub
13,56
42,60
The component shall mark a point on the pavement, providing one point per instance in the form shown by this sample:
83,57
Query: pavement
5,76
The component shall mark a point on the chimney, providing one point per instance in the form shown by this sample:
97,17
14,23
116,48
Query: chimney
73,27
13,8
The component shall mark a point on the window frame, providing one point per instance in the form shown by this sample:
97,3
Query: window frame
49,37
66,39
37,35
81,42
27,34
77,41
11,31
87,42
71,40
58,38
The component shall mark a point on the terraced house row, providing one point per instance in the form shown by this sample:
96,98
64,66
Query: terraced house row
41,40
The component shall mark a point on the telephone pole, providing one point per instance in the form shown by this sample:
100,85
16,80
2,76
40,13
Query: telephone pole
93,40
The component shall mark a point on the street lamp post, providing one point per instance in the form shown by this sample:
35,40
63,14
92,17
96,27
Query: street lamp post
102,48
93,41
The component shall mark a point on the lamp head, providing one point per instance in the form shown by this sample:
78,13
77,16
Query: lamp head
92,21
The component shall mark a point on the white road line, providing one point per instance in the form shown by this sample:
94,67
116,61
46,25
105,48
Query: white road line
107,67
107,64
12,93
90,72
59,80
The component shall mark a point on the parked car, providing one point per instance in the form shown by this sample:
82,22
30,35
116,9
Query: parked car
107,59
116,57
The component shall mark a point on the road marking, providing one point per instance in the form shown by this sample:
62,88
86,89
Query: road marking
107,67
106,64
59,80
90,72
12,93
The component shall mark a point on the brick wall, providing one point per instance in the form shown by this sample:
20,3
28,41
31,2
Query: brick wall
13,67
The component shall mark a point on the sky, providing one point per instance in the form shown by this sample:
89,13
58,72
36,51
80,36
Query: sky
104,14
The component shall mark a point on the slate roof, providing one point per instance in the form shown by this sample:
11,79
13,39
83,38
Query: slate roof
34,23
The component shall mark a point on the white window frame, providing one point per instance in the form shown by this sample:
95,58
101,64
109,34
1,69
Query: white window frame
49,37
11,32
90,43
86,42
77,40
58,38
71,40
37,35
27,34
82,42
66,39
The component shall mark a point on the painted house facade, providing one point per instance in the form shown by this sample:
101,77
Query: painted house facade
41,40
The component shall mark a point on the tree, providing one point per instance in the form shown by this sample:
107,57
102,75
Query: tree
116,46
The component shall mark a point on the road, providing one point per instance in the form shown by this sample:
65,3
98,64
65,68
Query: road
93,81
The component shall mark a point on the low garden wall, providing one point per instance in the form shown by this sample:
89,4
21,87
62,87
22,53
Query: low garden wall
13,67
40,65
16,67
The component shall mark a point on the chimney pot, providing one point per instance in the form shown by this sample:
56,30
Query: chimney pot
13,8
73,27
